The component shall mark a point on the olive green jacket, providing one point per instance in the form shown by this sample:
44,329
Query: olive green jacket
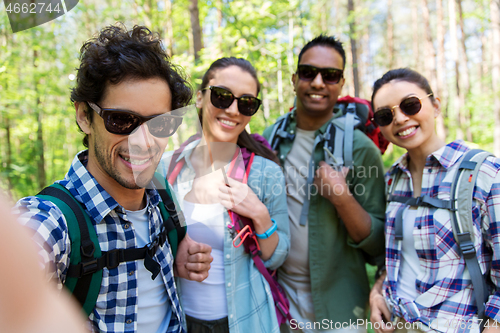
339,282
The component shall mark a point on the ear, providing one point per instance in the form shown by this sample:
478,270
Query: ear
199,99
294,80
437,106
81,117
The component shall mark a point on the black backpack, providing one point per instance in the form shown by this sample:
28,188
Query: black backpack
84,275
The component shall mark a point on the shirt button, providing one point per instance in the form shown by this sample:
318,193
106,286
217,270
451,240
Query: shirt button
419,226
429,170
129,321
130,273
291,132
126,226
282,157
231,316
228,256
229,284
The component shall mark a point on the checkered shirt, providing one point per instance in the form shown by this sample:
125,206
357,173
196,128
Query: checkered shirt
444,287
117,303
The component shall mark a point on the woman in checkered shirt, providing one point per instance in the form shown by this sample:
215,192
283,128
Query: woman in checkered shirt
427,285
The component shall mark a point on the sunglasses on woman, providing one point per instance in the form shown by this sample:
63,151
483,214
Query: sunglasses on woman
329,75
222,98
410,106
125,122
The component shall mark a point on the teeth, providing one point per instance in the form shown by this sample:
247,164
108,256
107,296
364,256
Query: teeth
316,96
407,131
227,122
135,162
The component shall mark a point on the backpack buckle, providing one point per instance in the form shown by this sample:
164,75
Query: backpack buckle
114,258
88,267
152,248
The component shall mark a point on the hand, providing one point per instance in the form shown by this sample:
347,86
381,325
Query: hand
240,198
330,182
379,313
193,260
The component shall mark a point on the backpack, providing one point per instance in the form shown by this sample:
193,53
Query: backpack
84,275
355,113
351,113
460,203
242,227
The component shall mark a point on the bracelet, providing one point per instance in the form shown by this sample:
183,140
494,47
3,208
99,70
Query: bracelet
269,231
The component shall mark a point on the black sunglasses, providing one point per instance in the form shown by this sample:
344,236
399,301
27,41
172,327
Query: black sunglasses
410,106
125,122
329,75
222,98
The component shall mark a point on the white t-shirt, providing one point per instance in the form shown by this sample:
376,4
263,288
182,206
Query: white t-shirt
410,265
206,300
154,312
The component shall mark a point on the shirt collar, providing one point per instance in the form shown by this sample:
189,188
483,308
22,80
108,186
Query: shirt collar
88,191
446,156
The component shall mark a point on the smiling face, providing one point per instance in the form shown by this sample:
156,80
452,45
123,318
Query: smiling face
225,125
316,99
414,133
126,161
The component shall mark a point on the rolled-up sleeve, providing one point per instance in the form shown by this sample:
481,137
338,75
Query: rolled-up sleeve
48,228
368,187
266,179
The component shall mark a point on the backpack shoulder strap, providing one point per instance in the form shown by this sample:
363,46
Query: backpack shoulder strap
462,195
462,192
173,219
84,245
279,131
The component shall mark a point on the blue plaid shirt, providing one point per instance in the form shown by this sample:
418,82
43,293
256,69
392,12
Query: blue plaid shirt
117,304
445,299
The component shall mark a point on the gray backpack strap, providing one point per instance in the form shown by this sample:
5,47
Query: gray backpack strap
349,134
279,132
462,195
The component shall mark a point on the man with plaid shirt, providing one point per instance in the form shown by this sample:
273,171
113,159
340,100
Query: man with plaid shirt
125,78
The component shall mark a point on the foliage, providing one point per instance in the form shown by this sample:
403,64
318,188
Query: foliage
36,65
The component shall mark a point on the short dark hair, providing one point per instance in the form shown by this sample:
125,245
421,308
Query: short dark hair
327,41
403,74
244,139
117,55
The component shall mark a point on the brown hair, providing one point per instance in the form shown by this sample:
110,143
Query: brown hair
244,139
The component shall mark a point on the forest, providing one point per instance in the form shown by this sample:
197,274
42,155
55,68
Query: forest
454,43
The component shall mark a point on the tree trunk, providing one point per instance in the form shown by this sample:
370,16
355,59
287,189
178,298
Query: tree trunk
454,52
39,149
220,40
352,33
495,72
390,35
8,167
170,28
430,54
442,92
415,37
195,27
466,116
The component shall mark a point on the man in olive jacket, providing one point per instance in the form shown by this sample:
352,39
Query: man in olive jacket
324,275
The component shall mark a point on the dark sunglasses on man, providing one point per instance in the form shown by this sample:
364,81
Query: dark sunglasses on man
124,122
410,106
329,75
222,98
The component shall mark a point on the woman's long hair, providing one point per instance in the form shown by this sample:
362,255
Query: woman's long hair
244,139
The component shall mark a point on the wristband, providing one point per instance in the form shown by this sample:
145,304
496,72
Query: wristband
269,231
